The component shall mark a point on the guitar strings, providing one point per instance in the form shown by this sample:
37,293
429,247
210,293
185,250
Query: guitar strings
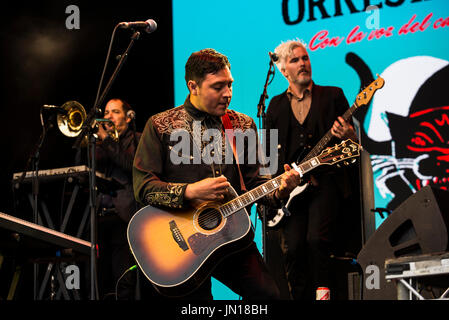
216,214
212,215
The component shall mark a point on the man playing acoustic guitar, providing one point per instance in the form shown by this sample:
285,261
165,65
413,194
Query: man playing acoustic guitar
170,180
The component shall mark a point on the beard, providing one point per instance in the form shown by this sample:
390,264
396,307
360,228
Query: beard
303,77
304,80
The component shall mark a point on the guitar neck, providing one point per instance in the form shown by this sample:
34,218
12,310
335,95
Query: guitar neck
328,136
261,191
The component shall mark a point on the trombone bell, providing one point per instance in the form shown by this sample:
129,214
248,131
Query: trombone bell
71,122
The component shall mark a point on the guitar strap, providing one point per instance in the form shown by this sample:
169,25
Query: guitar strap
229,131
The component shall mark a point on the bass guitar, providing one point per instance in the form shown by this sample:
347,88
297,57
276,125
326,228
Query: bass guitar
363,98
177,249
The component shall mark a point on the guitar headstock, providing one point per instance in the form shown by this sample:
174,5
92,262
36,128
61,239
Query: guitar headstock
366,95
340,152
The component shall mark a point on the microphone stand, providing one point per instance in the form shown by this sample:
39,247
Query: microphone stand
262,125
34,158
264,96
133,126
88,130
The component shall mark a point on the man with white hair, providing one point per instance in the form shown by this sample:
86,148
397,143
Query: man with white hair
303,114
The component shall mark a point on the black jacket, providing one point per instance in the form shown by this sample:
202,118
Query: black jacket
159,181
116,161
327,104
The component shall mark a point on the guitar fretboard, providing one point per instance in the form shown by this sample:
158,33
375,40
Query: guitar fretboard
252,196
328,136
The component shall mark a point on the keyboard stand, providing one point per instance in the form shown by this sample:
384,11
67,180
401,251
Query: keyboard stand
54,277
79,176
33,238
408,272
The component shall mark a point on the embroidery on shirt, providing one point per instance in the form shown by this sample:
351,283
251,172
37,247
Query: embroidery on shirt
168,121
170,198
178,118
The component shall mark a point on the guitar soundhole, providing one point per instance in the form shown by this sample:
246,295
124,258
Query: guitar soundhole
209,219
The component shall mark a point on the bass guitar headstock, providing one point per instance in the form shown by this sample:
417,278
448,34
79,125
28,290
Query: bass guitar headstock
366,95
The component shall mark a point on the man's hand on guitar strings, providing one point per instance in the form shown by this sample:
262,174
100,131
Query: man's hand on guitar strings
209,189
290,180
343,130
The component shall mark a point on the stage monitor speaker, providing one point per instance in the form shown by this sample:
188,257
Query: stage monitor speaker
418,226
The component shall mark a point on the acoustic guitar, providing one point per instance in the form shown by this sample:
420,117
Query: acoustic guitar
177,249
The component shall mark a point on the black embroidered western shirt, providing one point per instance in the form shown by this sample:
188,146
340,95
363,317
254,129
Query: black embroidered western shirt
164,163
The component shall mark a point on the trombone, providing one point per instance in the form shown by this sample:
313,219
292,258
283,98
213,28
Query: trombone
71,121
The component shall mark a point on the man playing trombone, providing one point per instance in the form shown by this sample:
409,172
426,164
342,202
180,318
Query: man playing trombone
115,151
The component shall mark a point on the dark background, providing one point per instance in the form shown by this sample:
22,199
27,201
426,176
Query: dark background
43,62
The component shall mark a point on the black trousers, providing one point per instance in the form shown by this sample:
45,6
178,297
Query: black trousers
243,272
308,237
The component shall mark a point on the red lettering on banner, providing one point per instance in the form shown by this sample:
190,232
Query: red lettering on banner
379,33
441,23
321,39
355,36
409,27
324,41
425,24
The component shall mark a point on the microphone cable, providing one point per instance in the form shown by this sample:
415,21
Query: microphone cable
123,274
351,259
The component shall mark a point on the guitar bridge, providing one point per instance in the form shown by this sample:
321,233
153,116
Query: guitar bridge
177,236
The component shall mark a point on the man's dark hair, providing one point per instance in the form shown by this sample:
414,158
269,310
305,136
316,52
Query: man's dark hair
125,105
203,62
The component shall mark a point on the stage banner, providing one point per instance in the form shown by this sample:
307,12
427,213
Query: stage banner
405,127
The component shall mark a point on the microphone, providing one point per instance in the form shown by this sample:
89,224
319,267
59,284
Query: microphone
131,114
273,56
150,25
54,108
